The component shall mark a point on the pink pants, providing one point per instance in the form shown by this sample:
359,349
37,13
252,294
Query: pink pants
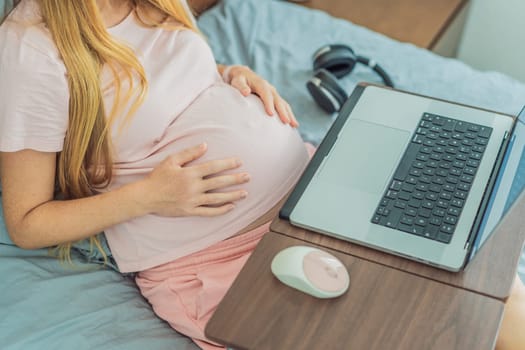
186,292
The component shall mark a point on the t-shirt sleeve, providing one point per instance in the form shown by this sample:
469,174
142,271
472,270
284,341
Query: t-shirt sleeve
34,97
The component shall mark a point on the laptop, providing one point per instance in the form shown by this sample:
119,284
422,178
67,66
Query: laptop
412,175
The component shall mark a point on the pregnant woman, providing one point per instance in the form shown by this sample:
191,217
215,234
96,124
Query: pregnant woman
115,117
182,163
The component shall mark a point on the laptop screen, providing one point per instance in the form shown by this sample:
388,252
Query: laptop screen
510,183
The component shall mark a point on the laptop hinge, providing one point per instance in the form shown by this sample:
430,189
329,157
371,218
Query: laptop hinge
487,193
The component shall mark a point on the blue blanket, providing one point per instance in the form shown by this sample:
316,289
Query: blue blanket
44,305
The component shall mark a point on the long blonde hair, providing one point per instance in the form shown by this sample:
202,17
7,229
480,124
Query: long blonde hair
85,46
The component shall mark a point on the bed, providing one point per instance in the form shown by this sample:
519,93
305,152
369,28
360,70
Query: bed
46,305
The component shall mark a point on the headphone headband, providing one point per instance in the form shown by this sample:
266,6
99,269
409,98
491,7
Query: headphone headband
328,48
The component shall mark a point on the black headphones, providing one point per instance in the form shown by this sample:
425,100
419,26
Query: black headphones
332,62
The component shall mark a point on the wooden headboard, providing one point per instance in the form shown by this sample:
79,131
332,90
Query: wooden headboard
199,6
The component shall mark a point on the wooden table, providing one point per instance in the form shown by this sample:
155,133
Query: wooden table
392,303
424,23
384,308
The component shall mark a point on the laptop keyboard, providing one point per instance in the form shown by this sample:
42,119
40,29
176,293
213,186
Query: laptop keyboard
432,181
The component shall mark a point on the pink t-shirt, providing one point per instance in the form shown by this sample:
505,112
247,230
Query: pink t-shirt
187,103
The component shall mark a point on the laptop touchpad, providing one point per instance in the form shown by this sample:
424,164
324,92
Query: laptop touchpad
364,156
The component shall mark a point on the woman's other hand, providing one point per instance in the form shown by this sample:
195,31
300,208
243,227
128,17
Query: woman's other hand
174,188
247,82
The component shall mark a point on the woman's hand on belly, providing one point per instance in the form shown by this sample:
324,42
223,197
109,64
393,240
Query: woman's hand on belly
247,81
174,188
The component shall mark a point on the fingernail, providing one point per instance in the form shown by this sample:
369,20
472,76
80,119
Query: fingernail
238,162
246,177
244,194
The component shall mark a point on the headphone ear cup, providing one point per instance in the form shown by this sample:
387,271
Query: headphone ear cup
326,91
338,59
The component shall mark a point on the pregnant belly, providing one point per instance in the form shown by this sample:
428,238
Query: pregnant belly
233,126
237,126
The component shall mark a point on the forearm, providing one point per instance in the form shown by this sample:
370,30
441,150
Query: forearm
173,188
57,222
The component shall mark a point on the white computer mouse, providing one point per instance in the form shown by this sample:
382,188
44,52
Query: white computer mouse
312,271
